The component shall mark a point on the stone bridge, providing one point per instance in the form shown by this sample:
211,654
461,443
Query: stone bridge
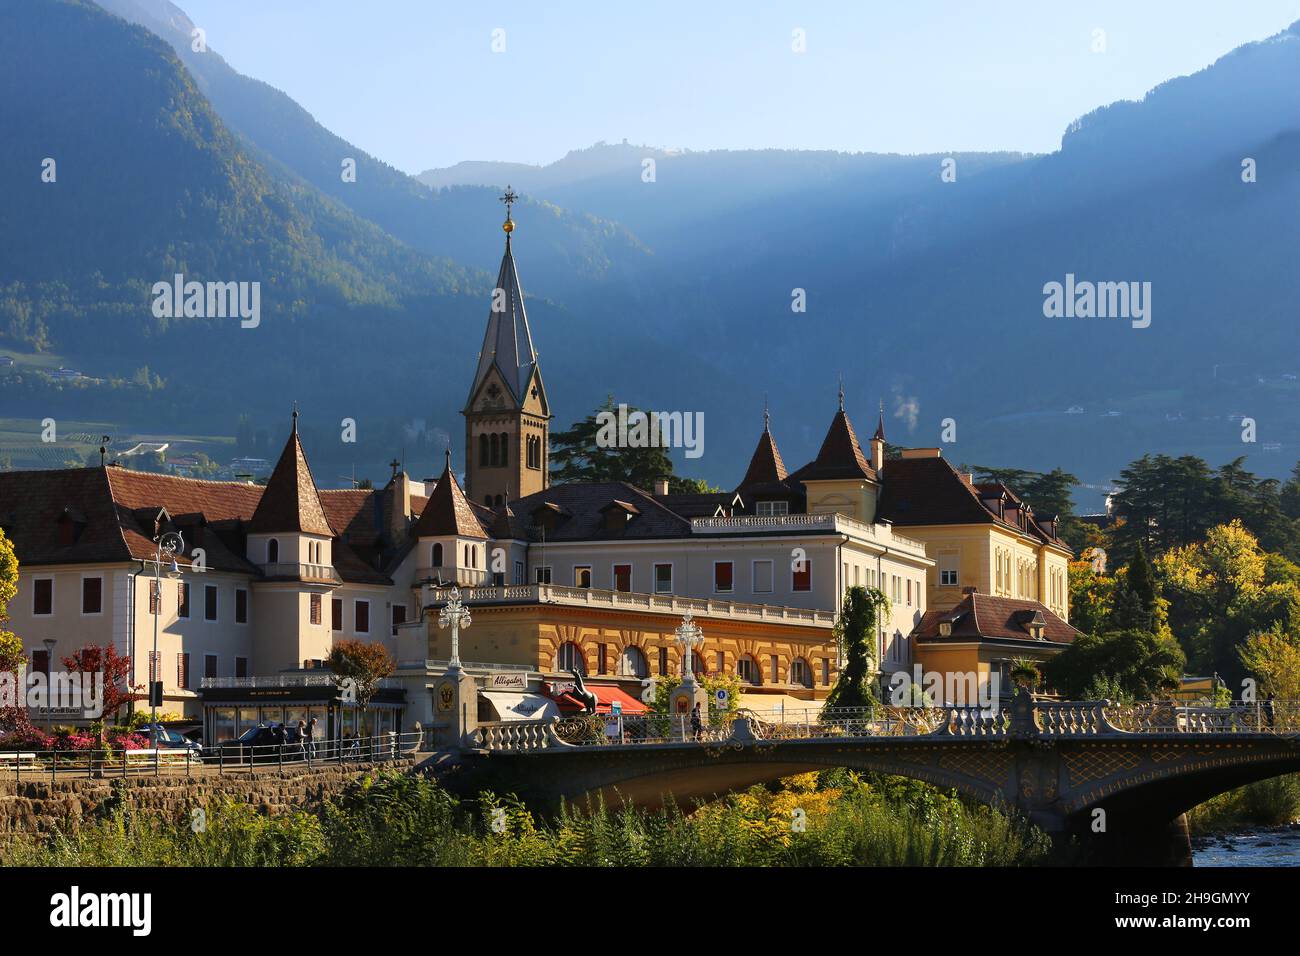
1058,763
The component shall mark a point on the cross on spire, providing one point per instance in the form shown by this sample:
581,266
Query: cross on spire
509,199
767,416
394,464
841,391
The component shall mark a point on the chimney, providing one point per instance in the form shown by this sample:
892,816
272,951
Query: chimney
399,507
877,454
661,486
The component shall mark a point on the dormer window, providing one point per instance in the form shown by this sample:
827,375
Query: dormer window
618,513
945,628
767,508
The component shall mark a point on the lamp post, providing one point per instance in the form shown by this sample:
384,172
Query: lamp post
49,643
454,613
166,545
688,635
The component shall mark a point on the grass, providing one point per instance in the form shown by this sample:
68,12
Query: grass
389,819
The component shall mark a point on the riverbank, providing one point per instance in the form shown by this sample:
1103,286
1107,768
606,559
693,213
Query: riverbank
836,818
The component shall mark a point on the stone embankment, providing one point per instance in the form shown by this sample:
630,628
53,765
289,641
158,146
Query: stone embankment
35,804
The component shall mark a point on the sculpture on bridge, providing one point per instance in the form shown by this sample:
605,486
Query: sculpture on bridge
580,693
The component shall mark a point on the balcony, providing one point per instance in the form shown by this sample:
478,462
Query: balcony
311,573
836,523
461,577
668,604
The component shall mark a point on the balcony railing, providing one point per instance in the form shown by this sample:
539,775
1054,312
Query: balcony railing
669,604
463,577
321,678
816,523
322,573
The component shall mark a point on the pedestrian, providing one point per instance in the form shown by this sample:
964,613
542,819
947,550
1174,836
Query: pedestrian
302,736
310,736
697,725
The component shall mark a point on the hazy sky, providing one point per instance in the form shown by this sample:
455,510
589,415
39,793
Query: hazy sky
416,82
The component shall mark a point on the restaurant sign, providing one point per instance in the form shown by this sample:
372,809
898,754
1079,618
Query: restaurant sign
517,681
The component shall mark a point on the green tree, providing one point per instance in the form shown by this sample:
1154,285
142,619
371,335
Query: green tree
855,631
1136,606
1140,663
1223,589
578,455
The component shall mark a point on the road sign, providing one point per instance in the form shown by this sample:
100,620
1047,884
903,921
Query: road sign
720,695
616,708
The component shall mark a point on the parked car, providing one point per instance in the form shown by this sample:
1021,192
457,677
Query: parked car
171,739
258,745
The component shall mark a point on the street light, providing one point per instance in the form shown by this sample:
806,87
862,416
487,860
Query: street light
167,544
49,643
454,613
688,635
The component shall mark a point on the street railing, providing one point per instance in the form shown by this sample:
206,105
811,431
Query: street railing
1043,719
231,757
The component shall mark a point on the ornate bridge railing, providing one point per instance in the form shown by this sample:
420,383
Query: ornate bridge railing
1050,719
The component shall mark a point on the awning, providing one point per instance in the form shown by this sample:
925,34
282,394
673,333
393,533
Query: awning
511,705
605,697
781,708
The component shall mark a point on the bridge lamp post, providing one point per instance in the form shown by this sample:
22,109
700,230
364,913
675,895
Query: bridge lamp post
688,635
455,614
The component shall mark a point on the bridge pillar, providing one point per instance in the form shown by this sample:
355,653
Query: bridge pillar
455,709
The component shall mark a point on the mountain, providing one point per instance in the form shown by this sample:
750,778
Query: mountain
149,183
930,293
675,293
566,247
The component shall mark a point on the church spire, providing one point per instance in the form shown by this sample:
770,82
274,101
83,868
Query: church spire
508,341
880,428
507,414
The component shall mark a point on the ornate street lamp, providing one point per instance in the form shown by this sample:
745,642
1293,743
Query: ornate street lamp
454,613
167,546
688,635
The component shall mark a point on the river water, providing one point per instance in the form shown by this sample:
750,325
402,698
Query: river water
1260,846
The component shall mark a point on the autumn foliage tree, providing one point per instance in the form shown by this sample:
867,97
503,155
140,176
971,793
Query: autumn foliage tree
96,659
361,666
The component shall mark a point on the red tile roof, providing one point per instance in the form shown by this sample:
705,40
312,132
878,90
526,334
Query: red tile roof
447,511
765,465
987,617
290,501
840,455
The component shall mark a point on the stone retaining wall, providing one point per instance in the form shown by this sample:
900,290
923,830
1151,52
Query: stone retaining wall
39,805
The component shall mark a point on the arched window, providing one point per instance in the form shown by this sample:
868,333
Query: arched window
498,501
569,658
483,450
494,457
632,663
800,673
487,500
272,551
436,560
747,670
505,449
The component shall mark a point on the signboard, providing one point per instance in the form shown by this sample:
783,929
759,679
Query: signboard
616,708
720,695
517,681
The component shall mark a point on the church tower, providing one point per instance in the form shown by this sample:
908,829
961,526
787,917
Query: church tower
507,417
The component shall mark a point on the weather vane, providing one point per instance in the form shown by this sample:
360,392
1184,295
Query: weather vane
509,199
